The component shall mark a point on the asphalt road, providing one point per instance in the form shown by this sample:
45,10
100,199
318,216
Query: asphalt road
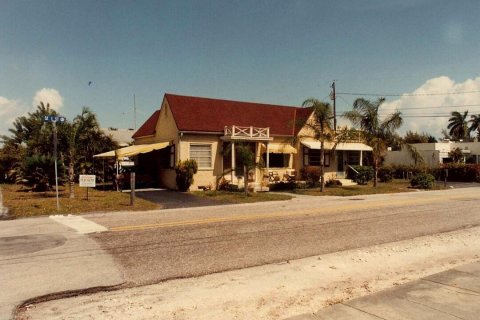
152,247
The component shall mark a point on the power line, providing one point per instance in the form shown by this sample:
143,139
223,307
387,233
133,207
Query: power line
406,94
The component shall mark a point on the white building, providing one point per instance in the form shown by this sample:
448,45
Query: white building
435,154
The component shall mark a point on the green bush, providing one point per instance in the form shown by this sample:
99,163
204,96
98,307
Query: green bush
184,174
458,172
386,174
422,180
362,175
311,175
38,172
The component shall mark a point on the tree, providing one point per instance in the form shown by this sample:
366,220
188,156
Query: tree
375,132
458,126
81,139
320,126
78,141
412,137
474,124
246,159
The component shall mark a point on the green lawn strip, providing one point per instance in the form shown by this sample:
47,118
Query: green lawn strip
239,197
396,186
24,203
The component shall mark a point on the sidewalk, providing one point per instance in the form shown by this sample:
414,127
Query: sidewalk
452,294
39,257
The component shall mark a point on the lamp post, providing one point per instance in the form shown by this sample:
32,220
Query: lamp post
54,120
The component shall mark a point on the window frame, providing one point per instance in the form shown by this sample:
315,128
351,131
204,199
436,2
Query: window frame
210,146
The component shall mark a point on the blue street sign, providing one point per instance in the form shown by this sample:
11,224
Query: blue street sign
53,119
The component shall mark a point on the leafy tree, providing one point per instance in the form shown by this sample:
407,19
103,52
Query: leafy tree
457,124
38,172
456,155
246,159
78,141
412,137
375,132
474,124
320,126
81,139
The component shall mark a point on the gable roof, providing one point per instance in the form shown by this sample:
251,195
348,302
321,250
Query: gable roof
148,127
212,115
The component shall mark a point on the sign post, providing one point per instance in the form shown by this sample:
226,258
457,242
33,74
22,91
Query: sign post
87,181
54,120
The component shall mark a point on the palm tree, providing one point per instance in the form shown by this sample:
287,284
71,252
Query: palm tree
375,132
83,138
474,124
320,127
458,125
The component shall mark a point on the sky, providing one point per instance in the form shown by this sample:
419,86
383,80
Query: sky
101,53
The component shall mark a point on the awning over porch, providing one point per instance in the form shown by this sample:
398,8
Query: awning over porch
132,150
346,146
278,148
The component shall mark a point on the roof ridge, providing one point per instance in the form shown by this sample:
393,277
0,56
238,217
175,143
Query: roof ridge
235,101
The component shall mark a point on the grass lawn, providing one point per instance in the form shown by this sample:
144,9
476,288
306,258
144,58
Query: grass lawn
24,203
392,187
239,197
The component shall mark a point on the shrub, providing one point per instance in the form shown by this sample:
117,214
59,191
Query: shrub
422,180
386,174
38,172
362,175
459,172
311,175
184,174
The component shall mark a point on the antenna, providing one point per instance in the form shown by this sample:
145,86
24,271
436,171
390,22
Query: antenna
134,114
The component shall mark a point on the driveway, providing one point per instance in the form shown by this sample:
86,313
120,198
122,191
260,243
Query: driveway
172,199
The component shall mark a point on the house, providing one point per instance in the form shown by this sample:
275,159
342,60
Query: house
435,154
208,130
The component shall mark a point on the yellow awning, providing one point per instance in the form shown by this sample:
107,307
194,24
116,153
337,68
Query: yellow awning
279,148
132,150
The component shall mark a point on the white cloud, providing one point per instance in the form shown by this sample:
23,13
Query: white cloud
421,111
48,95
10,109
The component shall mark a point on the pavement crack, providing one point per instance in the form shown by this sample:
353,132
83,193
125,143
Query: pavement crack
363,311
474,293
432,308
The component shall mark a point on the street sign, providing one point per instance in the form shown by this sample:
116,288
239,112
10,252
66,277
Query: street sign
87,180
53,119
127,163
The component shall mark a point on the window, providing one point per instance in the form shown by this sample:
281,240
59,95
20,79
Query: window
277,160
312,157
172,156
202,153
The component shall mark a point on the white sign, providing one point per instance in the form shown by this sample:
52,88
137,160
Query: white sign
87,180
127,163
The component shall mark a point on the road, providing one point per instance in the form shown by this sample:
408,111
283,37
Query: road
152,247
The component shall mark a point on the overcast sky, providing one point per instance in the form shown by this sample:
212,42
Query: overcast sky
278,52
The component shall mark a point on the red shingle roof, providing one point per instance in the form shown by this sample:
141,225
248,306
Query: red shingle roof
148,128
212,115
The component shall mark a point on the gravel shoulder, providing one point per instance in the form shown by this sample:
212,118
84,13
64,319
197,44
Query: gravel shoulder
276,291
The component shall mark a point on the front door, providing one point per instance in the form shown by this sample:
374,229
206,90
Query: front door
340,167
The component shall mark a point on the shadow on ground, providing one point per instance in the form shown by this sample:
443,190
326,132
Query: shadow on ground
172,199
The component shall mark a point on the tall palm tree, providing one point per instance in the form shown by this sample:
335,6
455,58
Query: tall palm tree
320,126
375,132
474,124
457,124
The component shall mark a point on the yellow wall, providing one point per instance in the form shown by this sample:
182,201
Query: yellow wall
166,131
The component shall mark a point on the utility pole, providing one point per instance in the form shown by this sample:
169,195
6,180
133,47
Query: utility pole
334,98
54,119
